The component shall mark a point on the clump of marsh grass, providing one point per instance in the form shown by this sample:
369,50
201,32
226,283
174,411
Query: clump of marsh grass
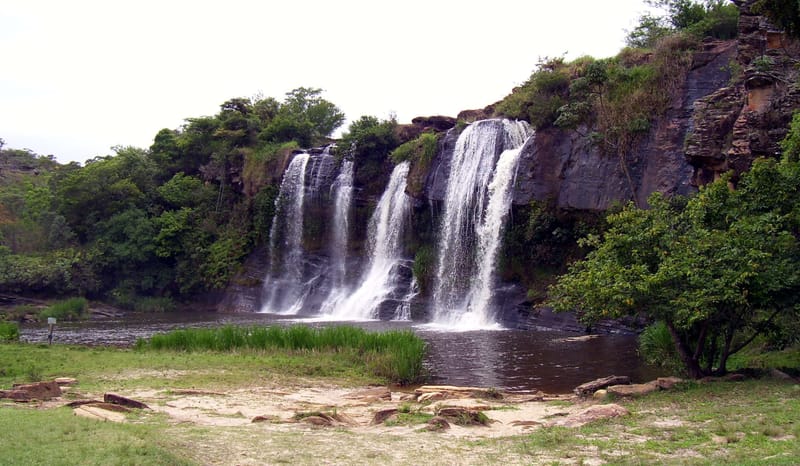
395,355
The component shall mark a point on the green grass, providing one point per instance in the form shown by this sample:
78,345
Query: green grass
395,355
103,369
68,309
57,437
751,422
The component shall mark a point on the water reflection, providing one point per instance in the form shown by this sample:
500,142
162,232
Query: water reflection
553,362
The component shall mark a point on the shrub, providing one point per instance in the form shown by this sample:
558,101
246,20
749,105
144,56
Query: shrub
657,348
9,331
423,268
419,151
69,309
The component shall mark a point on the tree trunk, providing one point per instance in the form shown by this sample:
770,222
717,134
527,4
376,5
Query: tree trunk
692,365
726,351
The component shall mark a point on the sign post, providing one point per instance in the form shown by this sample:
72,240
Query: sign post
51,322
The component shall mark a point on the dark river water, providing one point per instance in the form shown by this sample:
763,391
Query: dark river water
553,362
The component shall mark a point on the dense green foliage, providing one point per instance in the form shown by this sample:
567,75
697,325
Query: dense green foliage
368,141
719,269
9,331
396,355
791,143
784,13
709,18
145,227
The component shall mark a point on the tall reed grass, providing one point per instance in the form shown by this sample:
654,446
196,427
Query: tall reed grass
68,309
395,355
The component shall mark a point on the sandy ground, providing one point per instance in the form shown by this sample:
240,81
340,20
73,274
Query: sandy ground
258,425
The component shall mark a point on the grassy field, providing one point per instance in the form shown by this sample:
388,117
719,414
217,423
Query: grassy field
56,437
754,422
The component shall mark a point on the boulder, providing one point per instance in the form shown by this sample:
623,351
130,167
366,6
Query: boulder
381,416
666,383
780,375
636,389
123,401
438,423
438,122
41,391
98,413
590,414
589,388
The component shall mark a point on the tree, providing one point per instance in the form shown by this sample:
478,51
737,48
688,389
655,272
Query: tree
718,269
715,18
304,117
784,13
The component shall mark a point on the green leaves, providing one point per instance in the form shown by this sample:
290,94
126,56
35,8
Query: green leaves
721,263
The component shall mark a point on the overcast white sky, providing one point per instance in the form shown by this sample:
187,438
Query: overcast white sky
80,76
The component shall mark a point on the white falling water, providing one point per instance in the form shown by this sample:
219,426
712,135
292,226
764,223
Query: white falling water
283,285
380,280
476,203
321,170
342,194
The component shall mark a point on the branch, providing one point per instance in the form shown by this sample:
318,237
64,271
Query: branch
759,329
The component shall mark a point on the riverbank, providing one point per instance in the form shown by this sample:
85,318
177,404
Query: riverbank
210,408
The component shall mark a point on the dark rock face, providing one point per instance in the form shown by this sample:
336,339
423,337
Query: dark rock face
746,119
567,168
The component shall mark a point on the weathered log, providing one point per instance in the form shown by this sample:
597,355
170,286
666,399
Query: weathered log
589,388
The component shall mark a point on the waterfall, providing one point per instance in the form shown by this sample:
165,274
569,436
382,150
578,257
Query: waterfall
382,277
321,171
342,194
283,285
476,204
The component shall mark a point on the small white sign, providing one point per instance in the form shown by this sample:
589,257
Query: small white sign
51,321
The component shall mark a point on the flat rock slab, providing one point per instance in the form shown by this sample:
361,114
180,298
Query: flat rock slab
590,414
371,394
636,389
99,414
123,401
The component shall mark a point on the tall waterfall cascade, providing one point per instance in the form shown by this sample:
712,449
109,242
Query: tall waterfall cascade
283,285
342,194
381,280
476,204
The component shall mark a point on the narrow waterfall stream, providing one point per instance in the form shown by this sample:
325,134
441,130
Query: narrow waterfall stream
380,283
476,203
283,284
342,194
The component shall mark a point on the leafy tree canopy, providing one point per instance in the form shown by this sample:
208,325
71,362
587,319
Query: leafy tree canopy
715,18
718,269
